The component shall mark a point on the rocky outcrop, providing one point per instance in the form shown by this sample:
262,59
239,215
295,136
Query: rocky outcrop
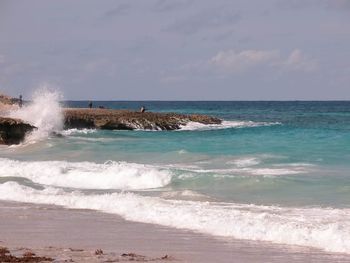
130,120
13,131
8,100
7,104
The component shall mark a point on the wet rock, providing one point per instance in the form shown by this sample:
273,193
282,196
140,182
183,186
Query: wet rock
130,120
13,131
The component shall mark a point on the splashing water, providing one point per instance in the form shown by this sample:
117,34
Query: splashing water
44,112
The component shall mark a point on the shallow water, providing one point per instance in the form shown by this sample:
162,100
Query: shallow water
274,171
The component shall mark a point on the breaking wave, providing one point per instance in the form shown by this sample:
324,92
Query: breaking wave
43,112
87,175
323,228
194,126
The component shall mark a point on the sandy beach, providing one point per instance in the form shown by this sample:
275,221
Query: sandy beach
65,234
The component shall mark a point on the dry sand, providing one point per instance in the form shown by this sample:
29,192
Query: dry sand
77,235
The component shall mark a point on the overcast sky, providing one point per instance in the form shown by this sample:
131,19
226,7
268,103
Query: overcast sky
177,49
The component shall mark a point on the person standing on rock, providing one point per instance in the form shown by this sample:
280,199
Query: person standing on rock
90,104
20,102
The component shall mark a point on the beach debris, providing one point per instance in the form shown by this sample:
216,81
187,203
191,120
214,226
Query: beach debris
98,251
133,257
76,249
75,255
28,256
141,258
4,250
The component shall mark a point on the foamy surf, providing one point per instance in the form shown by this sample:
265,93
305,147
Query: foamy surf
246,171
195,126
88,175
78,131
245,162
322,228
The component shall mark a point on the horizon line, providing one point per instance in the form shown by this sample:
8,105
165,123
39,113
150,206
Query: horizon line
157,100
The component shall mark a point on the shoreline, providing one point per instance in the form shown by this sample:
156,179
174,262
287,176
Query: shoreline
60,233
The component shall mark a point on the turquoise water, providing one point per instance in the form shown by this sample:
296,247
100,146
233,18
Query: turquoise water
310,139
266,157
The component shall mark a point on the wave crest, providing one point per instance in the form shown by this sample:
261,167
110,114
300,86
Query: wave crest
323,228
193,126
88,175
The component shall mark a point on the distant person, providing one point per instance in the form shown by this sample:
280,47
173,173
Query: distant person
101,107
90,104
20,102
143,109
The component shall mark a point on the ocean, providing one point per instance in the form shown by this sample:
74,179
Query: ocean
274,171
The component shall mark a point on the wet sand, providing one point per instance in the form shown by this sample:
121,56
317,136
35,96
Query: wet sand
77,235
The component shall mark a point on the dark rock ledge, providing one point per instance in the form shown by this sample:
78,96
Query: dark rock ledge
130,120
13,131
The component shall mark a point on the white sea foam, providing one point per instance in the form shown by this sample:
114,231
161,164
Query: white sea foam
193,126
185,195
276,171
78,131
323,228
44,112
88,175
245,162
223,172
182,151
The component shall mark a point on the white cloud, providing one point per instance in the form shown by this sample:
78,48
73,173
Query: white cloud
233,61
238,62
299,62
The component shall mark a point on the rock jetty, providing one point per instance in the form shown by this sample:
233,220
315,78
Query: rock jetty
13,131
130,120
8,100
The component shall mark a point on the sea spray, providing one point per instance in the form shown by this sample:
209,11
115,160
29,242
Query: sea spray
44,112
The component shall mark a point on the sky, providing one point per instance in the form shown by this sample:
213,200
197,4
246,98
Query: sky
177,49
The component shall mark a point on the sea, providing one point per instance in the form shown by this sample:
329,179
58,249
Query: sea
276,171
